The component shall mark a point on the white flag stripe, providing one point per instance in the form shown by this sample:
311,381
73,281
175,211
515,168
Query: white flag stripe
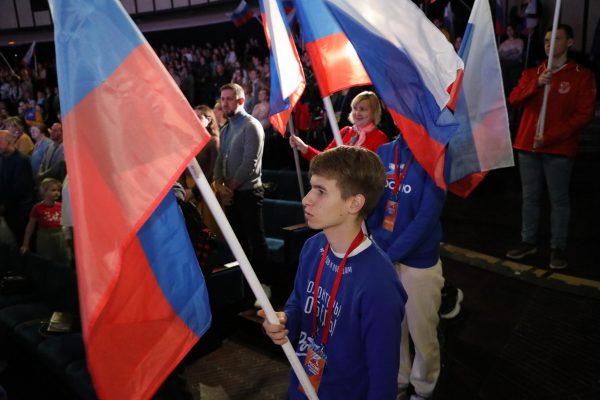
426,45
281,46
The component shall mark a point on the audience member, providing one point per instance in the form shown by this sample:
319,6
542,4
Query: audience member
16,185
42,141
238,178
46,216
220,116
348,340
549,158
510,52
261,109
23,142
53,163
366,114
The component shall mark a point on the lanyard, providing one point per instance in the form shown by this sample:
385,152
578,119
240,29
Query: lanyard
399,178
336,284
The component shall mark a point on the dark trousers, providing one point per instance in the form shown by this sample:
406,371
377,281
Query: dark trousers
246,218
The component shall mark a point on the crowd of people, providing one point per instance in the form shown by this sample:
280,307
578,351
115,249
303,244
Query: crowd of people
229,88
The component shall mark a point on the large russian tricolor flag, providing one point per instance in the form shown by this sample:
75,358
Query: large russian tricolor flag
287,75
482,141
128,135
333,58
414,69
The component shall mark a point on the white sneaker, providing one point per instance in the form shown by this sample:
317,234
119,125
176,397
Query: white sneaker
267,290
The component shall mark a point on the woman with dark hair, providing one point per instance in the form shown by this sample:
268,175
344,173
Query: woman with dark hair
208,156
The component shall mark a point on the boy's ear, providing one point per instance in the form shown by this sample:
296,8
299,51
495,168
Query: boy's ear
357,202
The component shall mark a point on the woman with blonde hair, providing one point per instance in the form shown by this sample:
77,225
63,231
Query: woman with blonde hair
365,115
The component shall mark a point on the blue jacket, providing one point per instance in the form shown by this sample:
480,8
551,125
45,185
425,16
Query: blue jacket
415,239
363,350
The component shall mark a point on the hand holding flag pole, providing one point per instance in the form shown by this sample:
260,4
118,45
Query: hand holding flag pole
238,252
539,134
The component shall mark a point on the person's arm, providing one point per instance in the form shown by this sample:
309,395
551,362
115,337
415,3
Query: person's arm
425,220
253,137
527,87
28,233
583,113
311,152
382,310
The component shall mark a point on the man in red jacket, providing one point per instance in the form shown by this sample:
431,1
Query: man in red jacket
551,156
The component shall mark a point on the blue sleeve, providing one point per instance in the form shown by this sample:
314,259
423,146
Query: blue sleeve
422,225
382,311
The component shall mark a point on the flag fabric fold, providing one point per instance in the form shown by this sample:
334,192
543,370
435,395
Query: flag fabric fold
129,134
482,141
333,58
287,75
241,15
413,68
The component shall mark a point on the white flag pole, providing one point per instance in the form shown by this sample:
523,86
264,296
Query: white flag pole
332,120
238,252
539,134
296,160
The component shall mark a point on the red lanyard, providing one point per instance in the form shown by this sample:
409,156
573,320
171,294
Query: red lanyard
336,284
398,179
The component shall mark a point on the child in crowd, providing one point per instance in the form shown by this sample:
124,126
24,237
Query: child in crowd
46,214
346,310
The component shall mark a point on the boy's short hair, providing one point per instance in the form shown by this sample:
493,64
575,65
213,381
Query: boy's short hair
47,182
567,29
356,170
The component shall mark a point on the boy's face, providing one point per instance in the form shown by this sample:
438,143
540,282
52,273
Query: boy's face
52,192
323,204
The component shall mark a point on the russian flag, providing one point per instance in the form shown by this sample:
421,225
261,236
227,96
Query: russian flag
287,75
333,58
482,141
414,69
29,55
241,15
129,134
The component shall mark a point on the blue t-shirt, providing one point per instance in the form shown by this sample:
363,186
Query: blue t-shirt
363,350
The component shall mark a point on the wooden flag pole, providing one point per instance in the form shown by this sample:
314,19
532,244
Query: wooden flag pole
539,134
249,274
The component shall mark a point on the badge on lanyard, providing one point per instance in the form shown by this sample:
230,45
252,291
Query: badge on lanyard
389,217
314,365
315,360
391,207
